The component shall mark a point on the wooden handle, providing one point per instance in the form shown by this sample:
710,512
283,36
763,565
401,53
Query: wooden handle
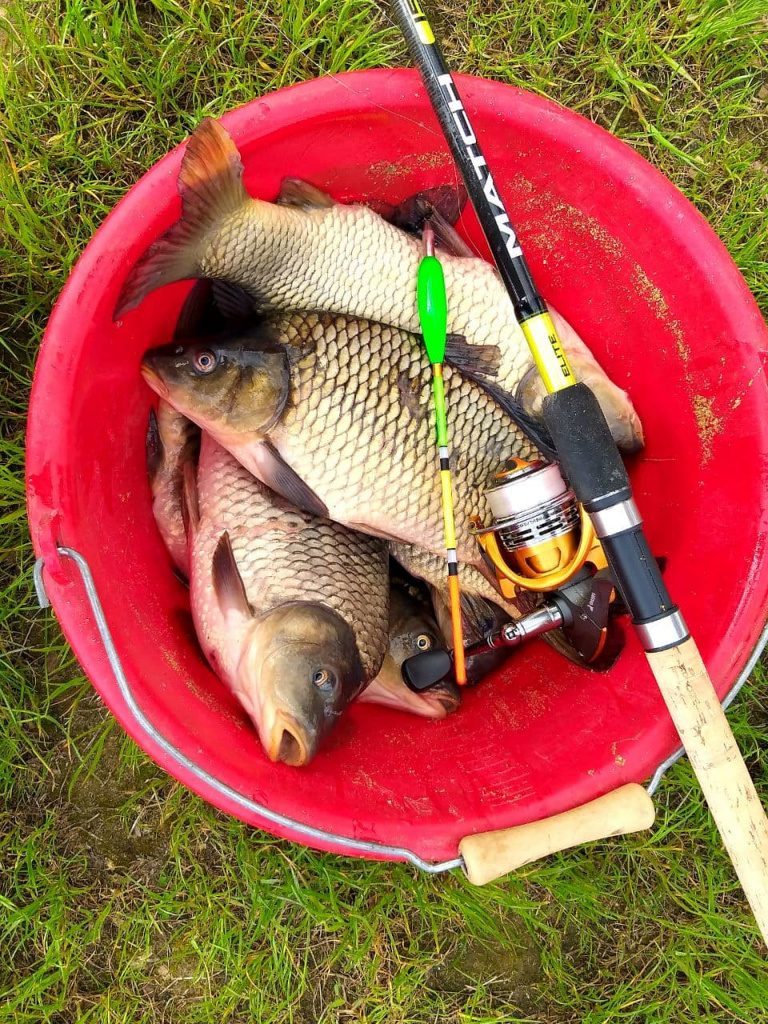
719,767
490,855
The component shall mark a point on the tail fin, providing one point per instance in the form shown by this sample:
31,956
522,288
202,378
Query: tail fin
211,186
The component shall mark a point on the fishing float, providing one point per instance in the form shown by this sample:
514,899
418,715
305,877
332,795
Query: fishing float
433,315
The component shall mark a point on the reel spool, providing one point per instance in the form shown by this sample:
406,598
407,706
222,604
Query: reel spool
539,537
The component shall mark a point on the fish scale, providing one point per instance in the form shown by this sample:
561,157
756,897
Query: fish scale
346,258
362,439
284,555
431,568
311,253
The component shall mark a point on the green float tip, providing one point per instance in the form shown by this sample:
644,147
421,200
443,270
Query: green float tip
433,308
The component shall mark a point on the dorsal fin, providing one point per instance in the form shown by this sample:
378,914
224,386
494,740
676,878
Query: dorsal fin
196,315
535,430
472,359
233,302
295,192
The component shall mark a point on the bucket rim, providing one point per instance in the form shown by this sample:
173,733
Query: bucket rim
288,106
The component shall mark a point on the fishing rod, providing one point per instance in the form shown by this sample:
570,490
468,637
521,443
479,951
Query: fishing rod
593,466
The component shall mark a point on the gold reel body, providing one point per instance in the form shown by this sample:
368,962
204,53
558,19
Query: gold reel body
540,536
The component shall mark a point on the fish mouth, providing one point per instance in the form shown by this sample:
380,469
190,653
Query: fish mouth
155,381
443,698
287,742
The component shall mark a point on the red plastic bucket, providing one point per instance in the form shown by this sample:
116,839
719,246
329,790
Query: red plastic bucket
645,281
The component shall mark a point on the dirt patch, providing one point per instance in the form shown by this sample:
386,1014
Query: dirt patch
392,170
510,977
551,212
98,805
655,299
709,425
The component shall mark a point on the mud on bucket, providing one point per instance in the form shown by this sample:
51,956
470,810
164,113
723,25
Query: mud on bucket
646,283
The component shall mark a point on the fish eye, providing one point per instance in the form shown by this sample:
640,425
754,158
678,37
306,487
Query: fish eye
204,361
324,678
424,642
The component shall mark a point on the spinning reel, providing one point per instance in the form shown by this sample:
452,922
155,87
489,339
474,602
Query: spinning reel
539,541
539,537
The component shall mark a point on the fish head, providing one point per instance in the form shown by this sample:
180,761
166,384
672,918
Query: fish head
389,689
413,630
235,387
412,627
298,673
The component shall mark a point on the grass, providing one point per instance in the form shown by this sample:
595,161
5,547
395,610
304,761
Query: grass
123,898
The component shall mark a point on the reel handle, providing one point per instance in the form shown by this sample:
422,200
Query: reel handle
489,855
422,671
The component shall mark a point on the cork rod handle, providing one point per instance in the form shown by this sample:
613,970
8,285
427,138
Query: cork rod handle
728,789
490,855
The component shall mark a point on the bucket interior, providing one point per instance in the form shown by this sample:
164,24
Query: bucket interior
640,275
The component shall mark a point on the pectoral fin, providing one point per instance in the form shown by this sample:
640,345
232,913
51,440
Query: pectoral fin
275,472
227,582
154,445
190,508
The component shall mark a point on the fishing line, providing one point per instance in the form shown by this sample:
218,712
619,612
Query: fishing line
317,66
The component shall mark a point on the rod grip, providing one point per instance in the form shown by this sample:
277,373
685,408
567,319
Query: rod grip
585,447
490,855
594,468
638,576
715,757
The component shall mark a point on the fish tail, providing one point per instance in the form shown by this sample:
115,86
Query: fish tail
211,187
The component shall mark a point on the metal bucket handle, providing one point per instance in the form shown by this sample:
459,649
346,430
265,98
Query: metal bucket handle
342,843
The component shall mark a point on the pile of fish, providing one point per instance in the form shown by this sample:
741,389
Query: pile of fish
291,456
